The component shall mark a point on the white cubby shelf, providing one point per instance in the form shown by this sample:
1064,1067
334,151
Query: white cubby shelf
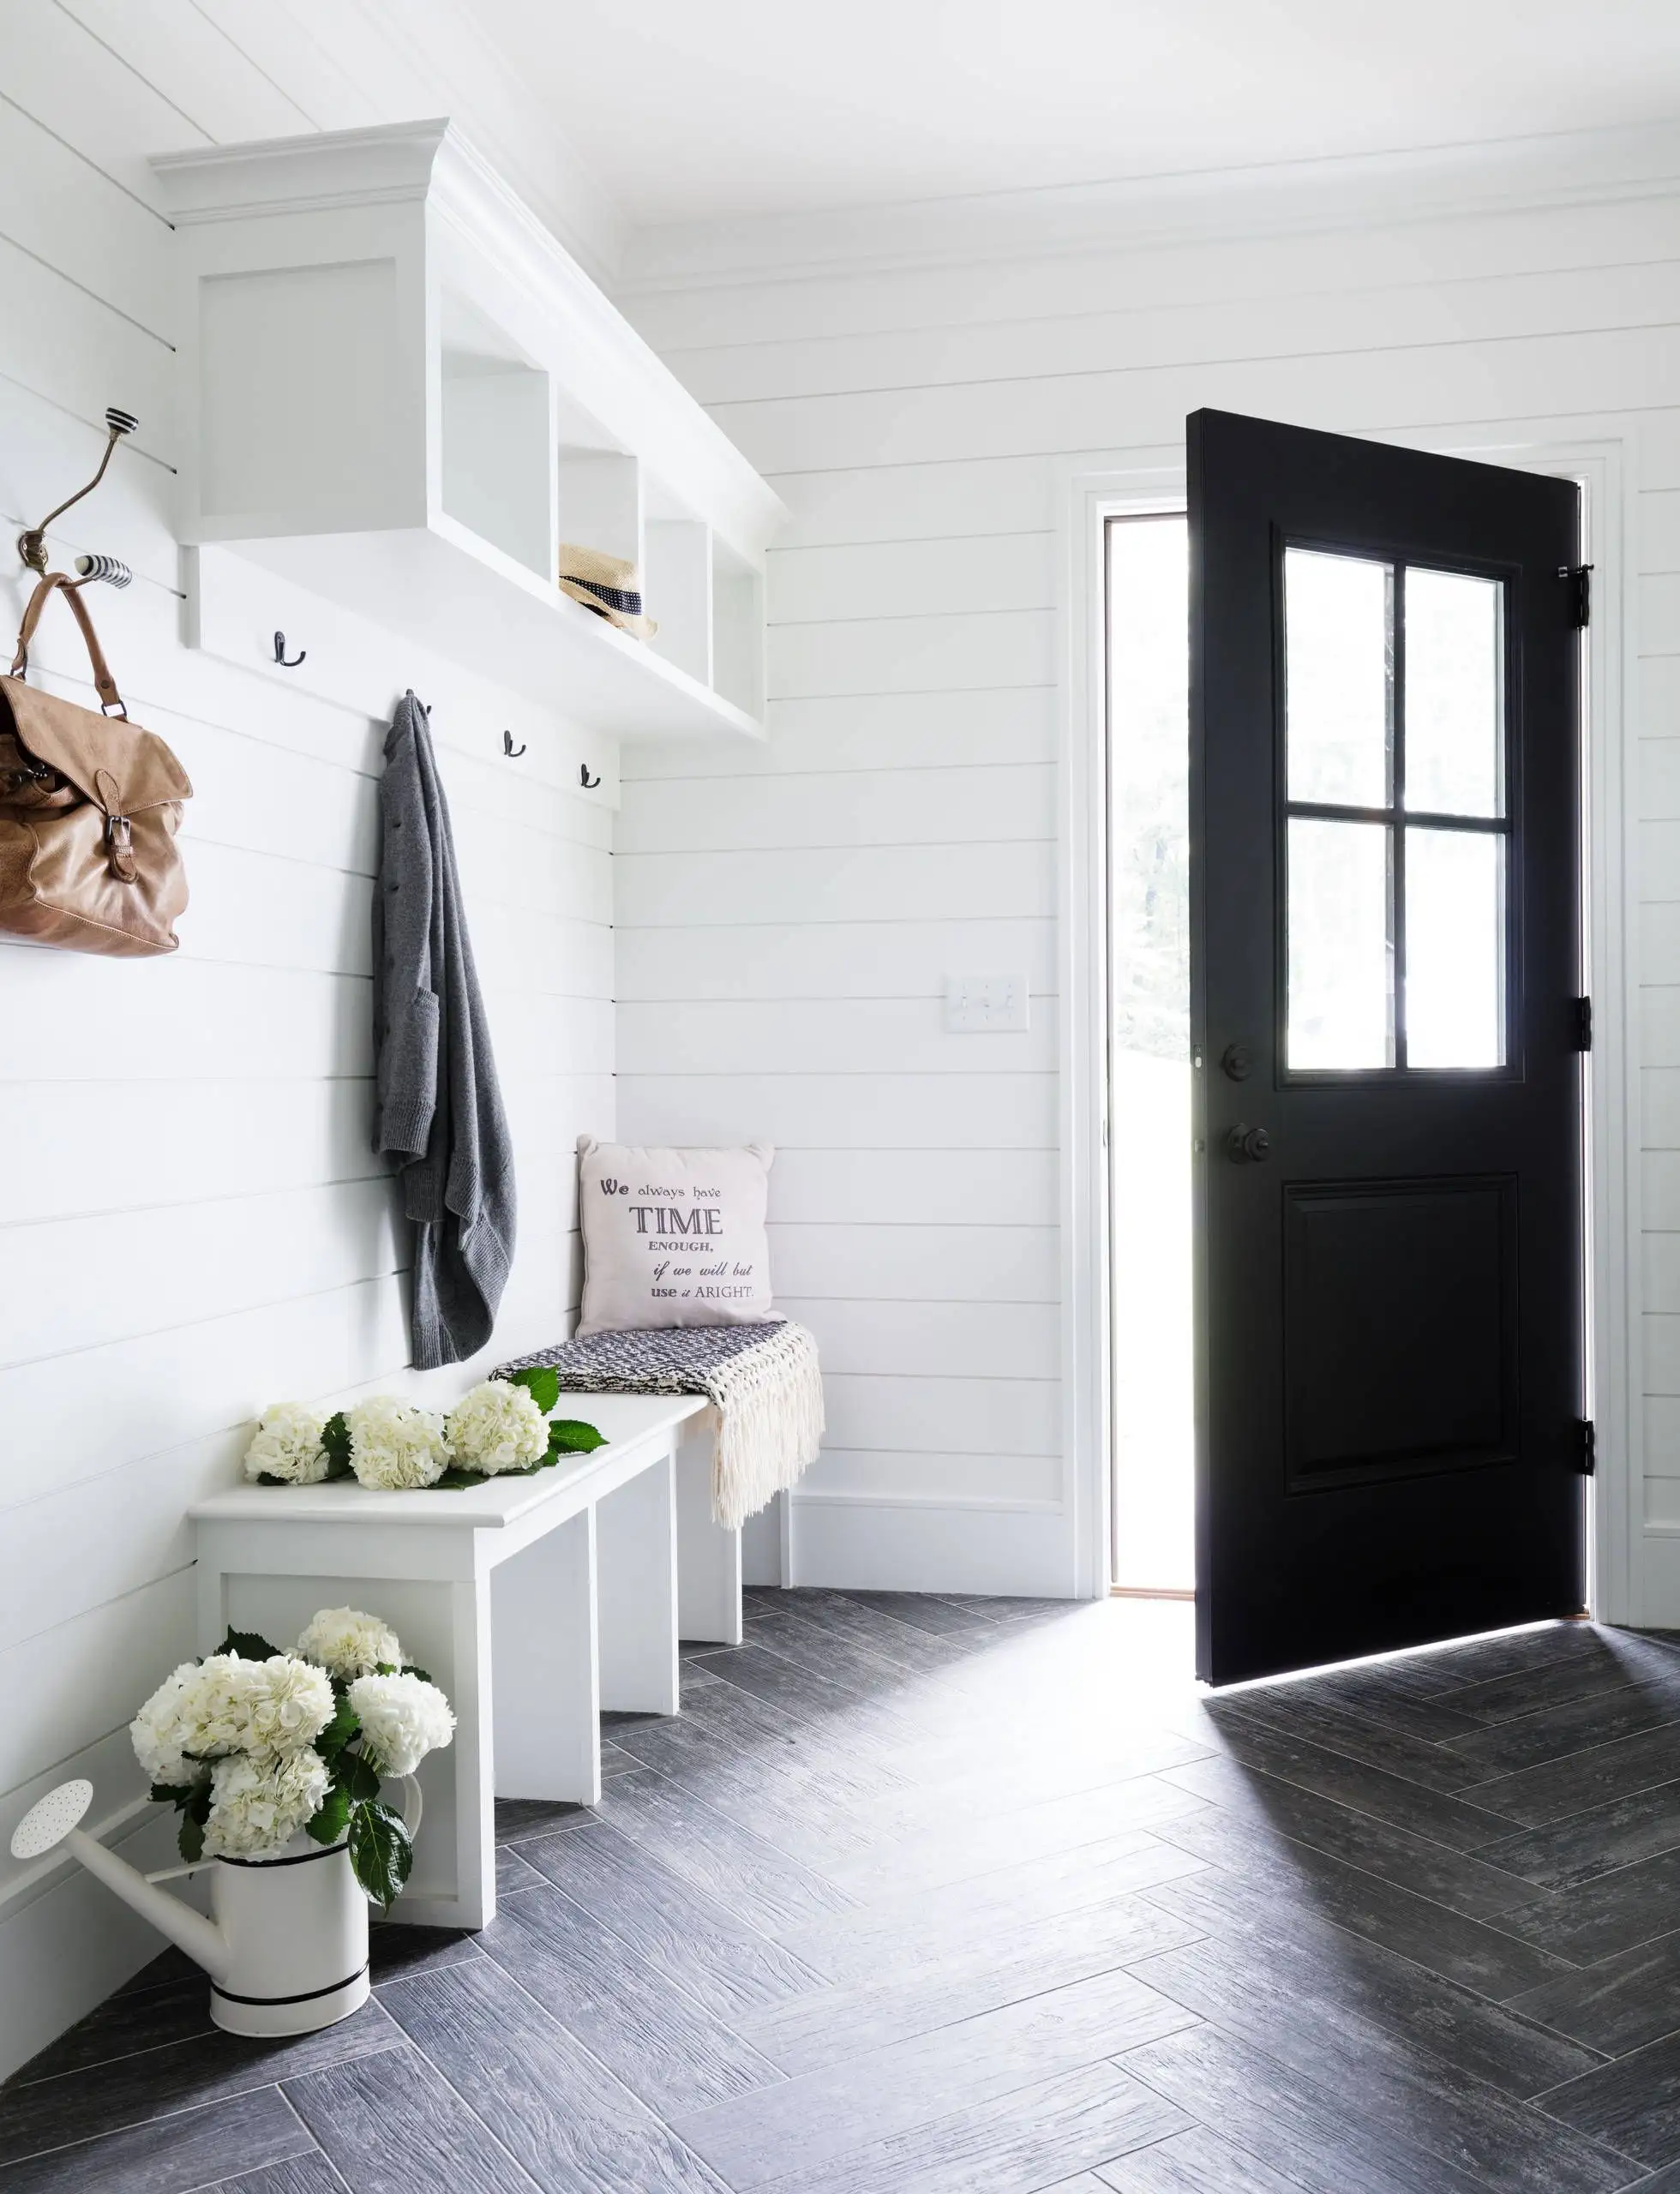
403,394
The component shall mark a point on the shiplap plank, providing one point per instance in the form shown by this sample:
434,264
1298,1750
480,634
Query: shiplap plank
895,1112
89,97
974,572
1661,1334
1655,698
1500,308
865,883
838,1036
94,1657
976,1263
1657,520
50,444
951,1340
1012,1188
1658,764
970,1416
1593,371
681,320
218,91
952,653
905,806
70,215
899,959
834,734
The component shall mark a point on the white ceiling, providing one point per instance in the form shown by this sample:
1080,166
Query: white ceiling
686,111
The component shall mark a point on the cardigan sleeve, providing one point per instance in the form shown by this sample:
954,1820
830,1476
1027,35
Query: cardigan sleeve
406,1026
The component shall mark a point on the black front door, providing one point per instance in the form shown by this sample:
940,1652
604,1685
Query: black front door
1385,964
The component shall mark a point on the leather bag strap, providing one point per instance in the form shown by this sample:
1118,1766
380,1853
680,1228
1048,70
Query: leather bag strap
105,684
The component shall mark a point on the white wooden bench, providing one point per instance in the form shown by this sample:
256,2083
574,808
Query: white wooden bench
534,1602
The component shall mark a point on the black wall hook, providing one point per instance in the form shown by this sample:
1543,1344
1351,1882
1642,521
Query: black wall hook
587,782
281,657
508,748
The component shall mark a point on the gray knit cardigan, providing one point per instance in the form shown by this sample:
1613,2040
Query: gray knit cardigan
441,1123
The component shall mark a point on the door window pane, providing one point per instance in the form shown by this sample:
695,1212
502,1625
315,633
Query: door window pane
1454,949
1454,701
1339,651
1340,952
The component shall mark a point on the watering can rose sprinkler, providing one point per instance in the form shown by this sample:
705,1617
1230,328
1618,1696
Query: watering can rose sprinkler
274,1762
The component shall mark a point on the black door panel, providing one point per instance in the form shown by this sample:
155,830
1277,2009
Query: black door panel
1384,834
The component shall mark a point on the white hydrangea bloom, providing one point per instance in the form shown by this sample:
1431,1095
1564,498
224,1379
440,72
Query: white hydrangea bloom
349,1643
287,1445
402,1719
497,1427
159,1731
393,1444
229,1704
290,1707
258,1805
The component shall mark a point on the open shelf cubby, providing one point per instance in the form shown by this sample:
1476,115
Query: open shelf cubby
403,394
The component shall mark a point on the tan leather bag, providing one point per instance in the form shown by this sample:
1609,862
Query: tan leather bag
89,807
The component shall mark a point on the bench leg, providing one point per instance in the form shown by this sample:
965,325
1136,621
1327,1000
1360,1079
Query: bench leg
546,1686
635,1550
708,1557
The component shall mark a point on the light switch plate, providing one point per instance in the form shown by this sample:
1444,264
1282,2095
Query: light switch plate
986,1004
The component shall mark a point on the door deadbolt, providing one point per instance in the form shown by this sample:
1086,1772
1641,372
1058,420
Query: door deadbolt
1238,1062
1248,1146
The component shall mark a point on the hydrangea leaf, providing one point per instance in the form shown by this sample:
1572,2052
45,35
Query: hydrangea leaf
249,1646
380,1852
329,1824
570,1435
191,1837
172,1794
541,1382
455,1477
341,1729
335,1439
355,1775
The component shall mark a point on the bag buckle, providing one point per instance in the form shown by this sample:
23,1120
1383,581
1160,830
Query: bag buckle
119,833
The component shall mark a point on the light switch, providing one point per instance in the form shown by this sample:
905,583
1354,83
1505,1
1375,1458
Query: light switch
986,1004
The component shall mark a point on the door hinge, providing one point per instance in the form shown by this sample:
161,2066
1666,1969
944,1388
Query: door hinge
1586,1446
1583,1024
1578,578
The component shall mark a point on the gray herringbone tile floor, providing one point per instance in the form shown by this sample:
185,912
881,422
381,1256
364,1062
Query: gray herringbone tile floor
979,1897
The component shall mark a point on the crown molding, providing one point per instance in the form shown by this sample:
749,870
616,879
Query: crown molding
1581,167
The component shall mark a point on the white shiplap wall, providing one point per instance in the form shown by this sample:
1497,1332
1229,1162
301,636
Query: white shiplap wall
923,422
191,1222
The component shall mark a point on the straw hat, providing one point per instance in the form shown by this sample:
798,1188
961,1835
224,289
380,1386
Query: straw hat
609,585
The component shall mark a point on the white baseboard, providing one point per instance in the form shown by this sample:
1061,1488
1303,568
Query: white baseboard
892,1546
63,1951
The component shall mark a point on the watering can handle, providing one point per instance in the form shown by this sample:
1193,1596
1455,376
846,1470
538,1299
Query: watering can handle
414,1805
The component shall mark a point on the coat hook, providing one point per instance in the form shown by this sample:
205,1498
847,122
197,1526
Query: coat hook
587,782
32,544
280,657
508,748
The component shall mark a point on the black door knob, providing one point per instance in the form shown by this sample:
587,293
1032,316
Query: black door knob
1248,1146
1238,1062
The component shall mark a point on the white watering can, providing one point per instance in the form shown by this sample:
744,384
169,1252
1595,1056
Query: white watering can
287,1944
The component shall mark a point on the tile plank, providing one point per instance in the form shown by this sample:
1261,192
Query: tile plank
1030,2139
179,2075
1344,1729
1406,2092
1570,1853
189,2149
574,2127
727,1968
1458,1948
1619,2005
1616,1912
1502,2044
800,2123
1598,1775
654,2036
1632,2105
390,2125
822,2028
1193,2162
1463,1883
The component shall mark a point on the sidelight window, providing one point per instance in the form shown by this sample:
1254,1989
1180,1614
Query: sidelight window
1396,837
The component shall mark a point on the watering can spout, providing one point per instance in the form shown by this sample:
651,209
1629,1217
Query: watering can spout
54,1820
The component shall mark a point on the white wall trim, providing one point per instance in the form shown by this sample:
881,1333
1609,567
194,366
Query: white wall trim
1567,168
1604,464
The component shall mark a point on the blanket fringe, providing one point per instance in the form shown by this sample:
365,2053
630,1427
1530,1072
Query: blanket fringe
770,1423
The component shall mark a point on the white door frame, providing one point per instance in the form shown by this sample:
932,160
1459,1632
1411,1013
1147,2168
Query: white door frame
1603,464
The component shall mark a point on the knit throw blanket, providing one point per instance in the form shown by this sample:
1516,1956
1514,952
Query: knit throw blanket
763,1381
